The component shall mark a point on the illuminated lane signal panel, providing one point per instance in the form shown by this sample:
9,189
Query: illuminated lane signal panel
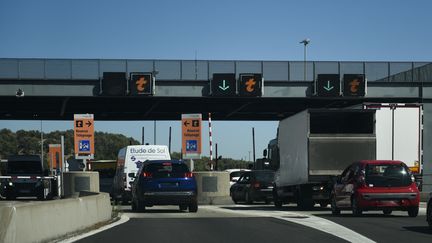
250,85
223,84
328,85
113,84
354,85
141,84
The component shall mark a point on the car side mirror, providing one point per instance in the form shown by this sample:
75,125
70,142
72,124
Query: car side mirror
132,175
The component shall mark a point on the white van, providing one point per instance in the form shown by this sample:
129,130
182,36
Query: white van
129,160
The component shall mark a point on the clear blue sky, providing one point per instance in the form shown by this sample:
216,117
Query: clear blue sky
342,30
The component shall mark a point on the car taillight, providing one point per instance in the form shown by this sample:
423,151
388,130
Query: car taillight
147,175
188,175
256,185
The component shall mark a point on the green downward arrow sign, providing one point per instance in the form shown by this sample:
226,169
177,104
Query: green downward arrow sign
224,86
328,87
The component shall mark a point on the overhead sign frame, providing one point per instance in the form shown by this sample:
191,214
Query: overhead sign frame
191,136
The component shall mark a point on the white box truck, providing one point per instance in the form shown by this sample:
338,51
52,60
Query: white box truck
315,145
399,130
129,160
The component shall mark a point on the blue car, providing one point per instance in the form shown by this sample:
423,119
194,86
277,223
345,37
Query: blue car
164,182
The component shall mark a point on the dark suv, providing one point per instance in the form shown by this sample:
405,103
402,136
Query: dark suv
24,177
164,182
256,185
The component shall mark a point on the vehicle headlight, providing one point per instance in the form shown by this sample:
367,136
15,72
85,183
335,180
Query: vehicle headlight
10,183
317,188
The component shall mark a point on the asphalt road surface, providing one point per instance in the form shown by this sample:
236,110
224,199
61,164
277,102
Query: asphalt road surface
263,223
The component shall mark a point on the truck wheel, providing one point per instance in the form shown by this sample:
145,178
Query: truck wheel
413,211
133,205
355,208
140,206
429,214
304,197
323,204
248,198
276,200
335,210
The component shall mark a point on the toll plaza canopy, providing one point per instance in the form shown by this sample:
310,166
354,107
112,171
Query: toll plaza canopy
56,89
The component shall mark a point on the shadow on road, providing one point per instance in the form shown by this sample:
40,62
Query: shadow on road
272,208
367,215
419,229
155,210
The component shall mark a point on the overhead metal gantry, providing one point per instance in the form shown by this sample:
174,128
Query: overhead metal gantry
55,89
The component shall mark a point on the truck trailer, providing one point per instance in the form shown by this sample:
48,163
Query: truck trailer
314,146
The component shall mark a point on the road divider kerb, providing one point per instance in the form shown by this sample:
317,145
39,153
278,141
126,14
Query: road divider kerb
123,219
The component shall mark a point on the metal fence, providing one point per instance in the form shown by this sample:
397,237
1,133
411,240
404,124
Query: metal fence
284,71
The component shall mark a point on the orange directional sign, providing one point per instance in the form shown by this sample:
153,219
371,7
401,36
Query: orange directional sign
84,134
250,85
354,85
141,84
191,136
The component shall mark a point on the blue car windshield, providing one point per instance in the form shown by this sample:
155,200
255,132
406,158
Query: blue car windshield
166,170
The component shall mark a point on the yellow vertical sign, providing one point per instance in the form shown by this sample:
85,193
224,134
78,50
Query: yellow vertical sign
84,135
191,136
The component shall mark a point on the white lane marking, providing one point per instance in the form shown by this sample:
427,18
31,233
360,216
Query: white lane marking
123,219
329,227
317,223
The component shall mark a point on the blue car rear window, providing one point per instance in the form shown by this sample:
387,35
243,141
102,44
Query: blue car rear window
165,170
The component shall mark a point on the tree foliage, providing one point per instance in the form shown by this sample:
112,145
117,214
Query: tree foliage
203,164
107,145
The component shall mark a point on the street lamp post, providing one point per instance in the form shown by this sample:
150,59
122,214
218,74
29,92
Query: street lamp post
305,42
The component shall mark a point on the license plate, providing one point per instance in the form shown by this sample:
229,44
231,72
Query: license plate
267,190
169,184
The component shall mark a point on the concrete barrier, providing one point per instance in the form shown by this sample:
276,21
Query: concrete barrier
76,181
213,187
49,220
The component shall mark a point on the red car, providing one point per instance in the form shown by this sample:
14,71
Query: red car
385,185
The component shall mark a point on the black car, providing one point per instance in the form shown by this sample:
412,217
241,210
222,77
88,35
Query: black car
164,182
253,186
